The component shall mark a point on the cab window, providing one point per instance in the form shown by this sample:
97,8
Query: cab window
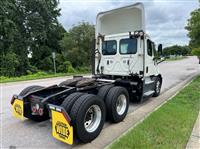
109,47
128,46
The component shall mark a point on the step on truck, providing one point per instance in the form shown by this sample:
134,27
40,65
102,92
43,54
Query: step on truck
124,69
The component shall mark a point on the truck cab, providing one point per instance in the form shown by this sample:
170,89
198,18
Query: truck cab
122,55
124,47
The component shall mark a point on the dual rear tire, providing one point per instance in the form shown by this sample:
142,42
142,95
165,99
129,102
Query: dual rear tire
117,104
116,99
87,114
88,111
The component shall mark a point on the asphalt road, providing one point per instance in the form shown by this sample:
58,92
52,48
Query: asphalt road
28,134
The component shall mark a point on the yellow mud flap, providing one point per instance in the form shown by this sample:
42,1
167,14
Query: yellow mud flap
18,109
61,128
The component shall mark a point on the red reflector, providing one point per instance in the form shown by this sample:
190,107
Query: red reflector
40,111
34,109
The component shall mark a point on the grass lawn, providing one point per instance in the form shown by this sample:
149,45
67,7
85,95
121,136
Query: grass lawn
169,127
39,75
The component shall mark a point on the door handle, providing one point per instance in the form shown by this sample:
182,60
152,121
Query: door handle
107,62
128,62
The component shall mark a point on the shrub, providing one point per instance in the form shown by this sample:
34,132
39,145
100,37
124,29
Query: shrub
40,73
9,63
71,69
196,51
83,69
66,67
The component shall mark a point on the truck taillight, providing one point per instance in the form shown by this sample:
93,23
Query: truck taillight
40,111
34,109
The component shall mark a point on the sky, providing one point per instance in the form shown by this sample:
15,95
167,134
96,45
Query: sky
165,19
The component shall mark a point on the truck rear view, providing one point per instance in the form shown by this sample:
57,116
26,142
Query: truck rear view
124,69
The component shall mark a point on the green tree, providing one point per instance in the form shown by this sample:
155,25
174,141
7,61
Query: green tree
193,28
7,26
12,40
177,50
196,51
29,26
9,60
78,43
43,29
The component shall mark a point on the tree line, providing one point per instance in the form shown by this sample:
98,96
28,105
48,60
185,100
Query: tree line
30,32
193,27
177,50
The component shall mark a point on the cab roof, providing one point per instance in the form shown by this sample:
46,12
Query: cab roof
121,20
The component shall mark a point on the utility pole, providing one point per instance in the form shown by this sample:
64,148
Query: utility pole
54,61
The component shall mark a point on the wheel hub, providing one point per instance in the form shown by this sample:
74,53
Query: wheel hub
92,118
121,104
158,86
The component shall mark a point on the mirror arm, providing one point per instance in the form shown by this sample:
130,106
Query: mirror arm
161,61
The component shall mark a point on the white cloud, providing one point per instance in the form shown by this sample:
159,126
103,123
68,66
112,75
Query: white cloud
165,19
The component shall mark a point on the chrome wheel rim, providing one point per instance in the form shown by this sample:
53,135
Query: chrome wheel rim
158,86
121,104
92,118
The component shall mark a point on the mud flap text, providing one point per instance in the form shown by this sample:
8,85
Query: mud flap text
61,129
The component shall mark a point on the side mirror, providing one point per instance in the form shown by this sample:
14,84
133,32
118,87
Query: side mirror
160,54
160,50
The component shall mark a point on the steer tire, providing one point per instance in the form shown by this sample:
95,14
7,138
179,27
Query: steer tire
103,91
78,116
111,104
70,100
157,88
30,89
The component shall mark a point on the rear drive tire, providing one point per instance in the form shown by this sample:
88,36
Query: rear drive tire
70,100
30,89
117,104
157,88
103,91
88,117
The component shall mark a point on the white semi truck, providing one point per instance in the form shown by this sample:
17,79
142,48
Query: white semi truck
124,69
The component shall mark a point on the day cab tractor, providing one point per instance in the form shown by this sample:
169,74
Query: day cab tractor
124,68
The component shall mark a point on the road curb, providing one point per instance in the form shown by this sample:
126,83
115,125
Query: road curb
194,140
115,131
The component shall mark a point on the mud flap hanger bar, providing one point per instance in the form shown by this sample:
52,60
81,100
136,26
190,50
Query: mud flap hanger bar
61,110
15,97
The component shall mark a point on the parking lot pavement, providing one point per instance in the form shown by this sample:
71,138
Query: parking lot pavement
28,134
